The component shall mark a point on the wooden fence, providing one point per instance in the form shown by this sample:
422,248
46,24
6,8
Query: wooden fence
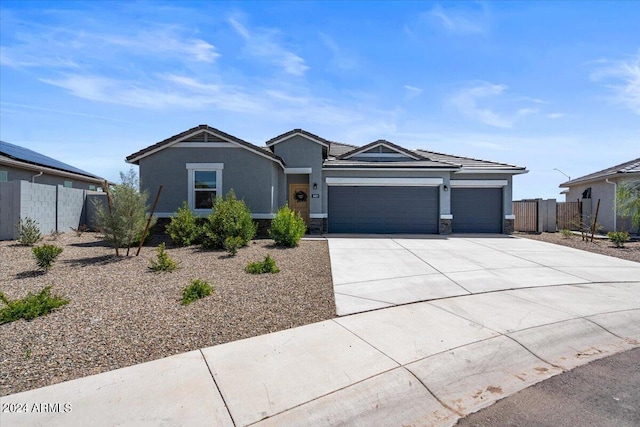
526,216
536,216
569,214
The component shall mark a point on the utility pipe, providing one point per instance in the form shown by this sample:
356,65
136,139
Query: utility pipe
33,178
615,204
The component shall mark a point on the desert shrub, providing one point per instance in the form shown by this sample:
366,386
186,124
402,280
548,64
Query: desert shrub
628,202
123,224
163,261
268,265
196,290
183,228
566,233
46,255
28,231
618,237
31,306
232,244
287,228
230,218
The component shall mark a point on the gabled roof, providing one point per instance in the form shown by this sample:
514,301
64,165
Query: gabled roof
630,167
135,157
24,156
384,143
469,163
338,148
301,132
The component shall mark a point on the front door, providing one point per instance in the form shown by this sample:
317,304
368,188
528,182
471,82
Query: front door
299,200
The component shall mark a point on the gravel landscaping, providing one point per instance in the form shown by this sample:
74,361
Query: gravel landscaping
121,313
631,250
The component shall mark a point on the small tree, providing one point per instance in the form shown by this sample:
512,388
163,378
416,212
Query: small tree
124,221
628,202
230,218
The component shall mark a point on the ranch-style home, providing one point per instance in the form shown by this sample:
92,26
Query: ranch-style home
337,188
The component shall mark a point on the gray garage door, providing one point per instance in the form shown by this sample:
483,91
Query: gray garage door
383,209
476,210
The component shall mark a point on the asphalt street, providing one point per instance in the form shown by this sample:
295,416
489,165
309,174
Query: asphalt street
602,393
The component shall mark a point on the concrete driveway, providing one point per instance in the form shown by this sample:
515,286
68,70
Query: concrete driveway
376,272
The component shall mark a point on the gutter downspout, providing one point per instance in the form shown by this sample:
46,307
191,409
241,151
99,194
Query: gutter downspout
33,178
615,204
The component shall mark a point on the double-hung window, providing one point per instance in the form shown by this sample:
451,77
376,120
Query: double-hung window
205,183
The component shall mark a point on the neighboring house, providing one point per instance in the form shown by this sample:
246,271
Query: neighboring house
602,186
337,188
21,164
54,194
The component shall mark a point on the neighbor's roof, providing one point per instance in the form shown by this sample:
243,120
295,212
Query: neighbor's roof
135,157
30,157
630,167
303,132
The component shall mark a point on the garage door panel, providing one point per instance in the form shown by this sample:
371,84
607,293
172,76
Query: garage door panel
476,210
383,209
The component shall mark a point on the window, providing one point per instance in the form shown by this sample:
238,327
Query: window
205,183
3,176
68,184
92,188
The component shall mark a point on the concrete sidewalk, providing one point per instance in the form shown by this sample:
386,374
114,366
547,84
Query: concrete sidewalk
427,363
383,271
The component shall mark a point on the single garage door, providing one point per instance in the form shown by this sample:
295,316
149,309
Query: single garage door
383,209
476,210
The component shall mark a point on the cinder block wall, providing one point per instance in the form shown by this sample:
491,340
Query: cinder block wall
9,209
38,202
70,207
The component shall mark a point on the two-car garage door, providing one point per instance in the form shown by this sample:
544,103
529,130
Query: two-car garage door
383,209
397,209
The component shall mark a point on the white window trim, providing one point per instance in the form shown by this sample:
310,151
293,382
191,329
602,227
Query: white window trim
192,168
385,182
305,171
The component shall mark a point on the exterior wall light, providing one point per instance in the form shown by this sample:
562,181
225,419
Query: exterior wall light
315,186
446,188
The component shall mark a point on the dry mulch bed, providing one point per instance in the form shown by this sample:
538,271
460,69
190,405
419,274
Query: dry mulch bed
121,313
630,251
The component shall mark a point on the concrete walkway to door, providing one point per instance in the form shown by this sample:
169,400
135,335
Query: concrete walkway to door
371,272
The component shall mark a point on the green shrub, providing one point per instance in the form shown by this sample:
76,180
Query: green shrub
287,228
46,255
231,244
566,233
618,237
28,231
260,267
163,261
183,229
31,306
230,218
196,290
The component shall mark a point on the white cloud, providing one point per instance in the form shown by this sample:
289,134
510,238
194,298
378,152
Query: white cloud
261,44
340,58
482,101
555,116
412,91
467,100
459,23
623,78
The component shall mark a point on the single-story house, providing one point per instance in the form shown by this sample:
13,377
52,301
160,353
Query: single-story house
338,188
21,164
602,185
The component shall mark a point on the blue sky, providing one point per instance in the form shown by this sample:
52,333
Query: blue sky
538,84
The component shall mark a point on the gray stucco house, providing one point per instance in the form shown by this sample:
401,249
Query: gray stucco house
338,188
602,185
